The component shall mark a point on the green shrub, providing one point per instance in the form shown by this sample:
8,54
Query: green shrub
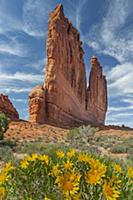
6,154
81,137
4,121
123,147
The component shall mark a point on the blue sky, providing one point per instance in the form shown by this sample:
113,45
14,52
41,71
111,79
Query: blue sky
106,29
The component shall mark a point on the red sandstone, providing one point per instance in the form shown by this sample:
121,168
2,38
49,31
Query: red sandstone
7,107
64,99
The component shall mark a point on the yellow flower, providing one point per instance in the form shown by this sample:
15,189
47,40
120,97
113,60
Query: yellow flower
9,167
115,181
24,164
82,157
70,153
96,173
110,192
67,165
69,184
2,192
44,158
60,154
4,174
3,178
55,170
31,158
130,172
46,198
117,168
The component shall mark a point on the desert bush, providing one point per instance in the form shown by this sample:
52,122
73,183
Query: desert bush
4,121
8,143
6,154
123,147
81,137
67,175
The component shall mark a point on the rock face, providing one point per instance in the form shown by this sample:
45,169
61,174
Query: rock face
97,91
64,99
7,107
37,104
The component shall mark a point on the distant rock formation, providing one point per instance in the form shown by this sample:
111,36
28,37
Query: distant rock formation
64,99
7,107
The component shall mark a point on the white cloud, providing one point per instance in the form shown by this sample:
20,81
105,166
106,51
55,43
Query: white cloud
38,64
14,90
13,47
19,100
111,36
8,20
120,80
120,109
128,100
33,78
35,16
19,82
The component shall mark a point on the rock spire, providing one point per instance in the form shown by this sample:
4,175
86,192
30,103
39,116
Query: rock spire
64,99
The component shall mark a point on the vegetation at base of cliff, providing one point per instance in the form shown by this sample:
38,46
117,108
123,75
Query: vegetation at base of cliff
84,138
66,174
33,163
4,121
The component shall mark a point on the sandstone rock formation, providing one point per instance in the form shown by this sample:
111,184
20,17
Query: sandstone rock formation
7,107
97,91
64,99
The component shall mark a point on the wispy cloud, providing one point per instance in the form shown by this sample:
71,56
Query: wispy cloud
39,64
113,36
33,78
19,82
20,100
13,47
110,35
8,20
14,90
120,109
35,16
120,80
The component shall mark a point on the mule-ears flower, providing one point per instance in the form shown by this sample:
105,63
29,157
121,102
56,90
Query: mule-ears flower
2,193
130,172
60,154
44,158
96,173
70,153
68,183
68,165
110,191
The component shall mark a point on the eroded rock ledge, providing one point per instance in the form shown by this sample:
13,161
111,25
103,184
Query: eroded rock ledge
7,107
64,99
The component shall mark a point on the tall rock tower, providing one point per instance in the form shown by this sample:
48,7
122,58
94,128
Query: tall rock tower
97,92
64,100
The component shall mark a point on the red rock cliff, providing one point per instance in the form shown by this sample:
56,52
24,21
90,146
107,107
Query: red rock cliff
63,99
97,92
7,107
